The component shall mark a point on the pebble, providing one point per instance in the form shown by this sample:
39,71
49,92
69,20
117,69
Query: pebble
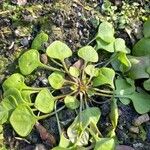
134,129
44,59
24,42
141,119
40,147
44,81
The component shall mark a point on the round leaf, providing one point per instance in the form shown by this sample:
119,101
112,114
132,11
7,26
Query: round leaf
22,120
71,102
56,80
44,101
16,80
106,32
39,41
88,53
58,50
74,71
91,71
29,61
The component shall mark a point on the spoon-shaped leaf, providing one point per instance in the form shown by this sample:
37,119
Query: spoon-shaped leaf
58,50
23,120
14,81
39,40
91,70
29,61
88,53
71,102
106,32
105,76
56,80
44,101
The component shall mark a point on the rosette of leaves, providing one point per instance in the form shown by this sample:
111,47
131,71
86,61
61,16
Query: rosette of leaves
23,111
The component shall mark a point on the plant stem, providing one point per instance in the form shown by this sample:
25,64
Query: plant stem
58,122
101,94
103,91
91,41
57,63
80,109
65,67
71,82
51,68
51,114
84,65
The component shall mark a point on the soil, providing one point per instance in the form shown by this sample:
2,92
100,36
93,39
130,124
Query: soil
74,22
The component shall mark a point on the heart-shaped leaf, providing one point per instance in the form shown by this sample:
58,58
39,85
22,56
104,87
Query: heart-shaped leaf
22,120
58,50
104,45
29,61
141,48
105,144
105,76
120,45
3,114
56,80
88,53
91,70
44,101
146,30
16,80
146,85
39,40
106,32
138,67
71,102
74,71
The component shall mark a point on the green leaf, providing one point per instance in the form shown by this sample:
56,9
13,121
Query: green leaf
74,71
125,89
141,102
16,80
44,101
56,80
114,114
106,32
120,45
106,76
105,144
141,48
71,102
64,142
15,93
77,131
104,45
29,61
138,67
91,70
22,120
6,107
39,40
88,53
58,50
146,85
146,30
122,63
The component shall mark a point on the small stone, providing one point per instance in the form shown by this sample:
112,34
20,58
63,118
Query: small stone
134,129
44,59
24,42
141,119
40,147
